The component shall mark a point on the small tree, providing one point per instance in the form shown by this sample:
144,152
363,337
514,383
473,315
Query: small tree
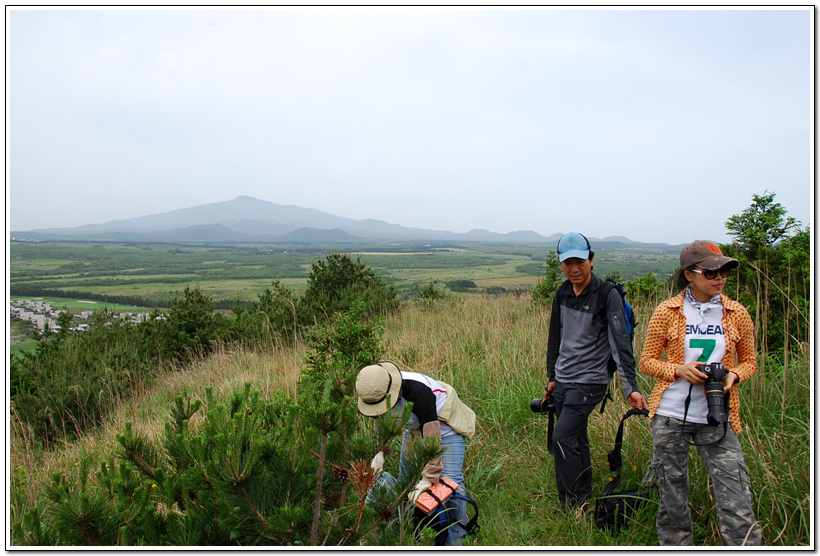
335,283
430,293
614,277
269,320
192,324
760,226
349,342
647,288
75,379
768,274
545,289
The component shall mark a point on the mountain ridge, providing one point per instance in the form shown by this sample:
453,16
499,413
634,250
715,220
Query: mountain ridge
248,219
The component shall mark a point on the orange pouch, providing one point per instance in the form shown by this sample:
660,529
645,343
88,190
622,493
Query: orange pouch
433,496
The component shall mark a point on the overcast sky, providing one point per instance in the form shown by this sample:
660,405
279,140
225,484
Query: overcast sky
657,125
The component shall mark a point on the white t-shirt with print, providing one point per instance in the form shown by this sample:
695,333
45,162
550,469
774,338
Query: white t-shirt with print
705,342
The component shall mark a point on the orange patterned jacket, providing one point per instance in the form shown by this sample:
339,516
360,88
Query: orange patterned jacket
667,330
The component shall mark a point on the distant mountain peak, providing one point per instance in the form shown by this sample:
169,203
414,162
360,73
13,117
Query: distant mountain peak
622,239
248,219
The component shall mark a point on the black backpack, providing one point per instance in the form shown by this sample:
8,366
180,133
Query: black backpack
612,509
631,321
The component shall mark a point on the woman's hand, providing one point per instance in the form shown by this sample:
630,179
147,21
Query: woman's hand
729,380
690,373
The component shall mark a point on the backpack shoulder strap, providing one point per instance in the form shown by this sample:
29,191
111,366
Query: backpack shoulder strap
603,294
472,526
600,313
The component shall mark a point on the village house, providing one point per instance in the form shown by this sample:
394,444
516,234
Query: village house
41,314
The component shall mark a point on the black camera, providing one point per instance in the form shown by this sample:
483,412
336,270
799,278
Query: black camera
540,405
715,397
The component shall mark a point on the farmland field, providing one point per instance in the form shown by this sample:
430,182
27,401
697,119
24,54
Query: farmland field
151,274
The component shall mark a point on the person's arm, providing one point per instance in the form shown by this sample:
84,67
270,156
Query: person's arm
432,471
554,338
424,408
621,345
654,344
424,401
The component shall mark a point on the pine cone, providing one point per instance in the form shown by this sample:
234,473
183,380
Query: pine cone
340,475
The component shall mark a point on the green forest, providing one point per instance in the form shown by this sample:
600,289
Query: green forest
228,417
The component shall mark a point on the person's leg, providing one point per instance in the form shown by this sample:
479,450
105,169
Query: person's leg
402,459
453,462
573,473
584,485
730,480
670,462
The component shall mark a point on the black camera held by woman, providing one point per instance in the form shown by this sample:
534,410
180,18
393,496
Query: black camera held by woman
715,397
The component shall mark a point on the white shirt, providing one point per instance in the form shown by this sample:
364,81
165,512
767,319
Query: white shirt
438,391
705,342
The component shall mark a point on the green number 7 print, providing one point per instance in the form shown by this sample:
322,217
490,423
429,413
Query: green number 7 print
708,347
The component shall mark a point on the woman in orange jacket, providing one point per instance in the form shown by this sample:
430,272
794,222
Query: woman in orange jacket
708,339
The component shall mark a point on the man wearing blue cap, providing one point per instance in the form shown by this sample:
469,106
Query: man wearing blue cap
580,345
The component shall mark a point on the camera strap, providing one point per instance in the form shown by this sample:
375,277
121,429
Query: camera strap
686,412
614,456
607,396
550,426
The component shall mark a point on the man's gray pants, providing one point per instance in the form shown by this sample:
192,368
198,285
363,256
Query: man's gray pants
730,478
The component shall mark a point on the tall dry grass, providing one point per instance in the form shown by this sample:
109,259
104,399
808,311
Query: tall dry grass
493,350
274,370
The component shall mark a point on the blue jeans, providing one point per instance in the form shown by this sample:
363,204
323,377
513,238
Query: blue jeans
453,463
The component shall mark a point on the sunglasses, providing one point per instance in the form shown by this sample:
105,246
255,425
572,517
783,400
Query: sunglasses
724,271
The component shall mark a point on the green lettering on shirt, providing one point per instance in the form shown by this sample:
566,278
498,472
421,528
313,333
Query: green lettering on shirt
708,347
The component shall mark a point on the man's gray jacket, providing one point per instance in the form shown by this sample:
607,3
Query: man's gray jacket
581,342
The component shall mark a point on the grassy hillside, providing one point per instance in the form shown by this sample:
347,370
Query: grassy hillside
492,349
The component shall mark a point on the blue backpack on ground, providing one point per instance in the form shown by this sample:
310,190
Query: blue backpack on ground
441,518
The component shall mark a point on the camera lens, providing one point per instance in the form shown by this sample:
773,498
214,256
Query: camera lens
715,398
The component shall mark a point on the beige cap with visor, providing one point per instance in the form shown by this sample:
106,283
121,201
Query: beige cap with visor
373,383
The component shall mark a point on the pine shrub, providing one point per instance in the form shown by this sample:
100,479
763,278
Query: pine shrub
246,471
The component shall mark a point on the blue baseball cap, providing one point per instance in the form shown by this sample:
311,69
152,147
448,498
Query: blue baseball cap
573,245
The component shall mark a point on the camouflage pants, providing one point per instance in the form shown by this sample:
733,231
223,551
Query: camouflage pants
730,477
